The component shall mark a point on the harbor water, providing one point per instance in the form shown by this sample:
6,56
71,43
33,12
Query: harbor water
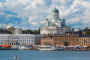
44,55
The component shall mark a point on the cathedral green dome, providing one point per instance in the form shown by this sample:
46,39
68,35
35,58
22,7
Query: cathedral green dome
55,10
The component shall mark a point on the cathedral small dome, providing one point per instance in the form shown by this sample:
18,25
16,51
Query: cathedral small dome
56,10
9,27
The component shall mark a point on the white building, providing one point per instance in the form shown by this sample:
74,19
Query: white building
55,25
20,39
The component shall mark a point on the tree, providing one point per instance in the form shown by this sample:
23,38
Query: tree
88,33
9,32
31,31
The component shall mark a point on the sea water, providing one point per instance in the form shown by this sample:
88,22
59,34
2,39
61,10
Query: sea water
44,55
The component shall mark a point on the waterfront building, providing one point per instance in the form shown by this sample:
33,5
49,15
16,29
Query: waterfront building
17,38
61,40
47,40
66,40
56,25
21,39
84,41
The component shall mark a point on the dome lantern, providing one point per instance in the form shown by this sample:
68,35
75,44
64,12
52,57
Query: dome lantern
55,10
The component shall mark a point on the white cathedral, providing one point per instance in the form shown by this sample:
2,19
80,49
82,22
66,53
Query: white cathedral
55,25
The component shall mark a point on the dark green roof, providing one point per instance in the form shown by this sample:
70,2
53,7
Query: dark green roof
56,10
46,19
59,19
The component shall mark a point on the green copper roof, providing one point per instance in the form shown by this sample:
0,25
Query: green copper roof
59,19
56,10
46,19
52,24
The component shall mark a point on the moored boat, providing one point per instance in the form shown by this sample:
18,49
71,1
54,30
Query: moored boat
49,48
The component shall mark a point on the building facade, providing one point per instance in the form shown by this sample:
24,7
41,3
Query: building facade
84,41
21,39
61,40
17,38
66,40
55,25
47,41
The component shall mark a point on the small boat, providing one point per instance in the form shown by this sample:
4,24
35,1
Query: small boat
49,48
15,57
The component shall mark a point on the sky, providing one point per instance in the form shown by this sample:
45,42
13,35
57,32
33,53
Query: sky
31,14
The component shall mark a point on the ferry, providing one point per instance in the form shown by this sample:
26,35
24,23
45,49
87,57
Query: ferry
49,48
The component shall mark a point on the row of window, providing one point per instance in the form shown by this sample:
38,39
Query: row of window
15,43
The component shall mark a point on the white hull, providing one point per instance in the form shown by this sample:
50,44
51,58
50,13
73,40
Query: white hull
50,49
24,48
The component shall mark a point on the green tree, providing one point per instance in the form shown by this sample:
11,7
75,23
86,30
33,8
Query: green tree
88,33
31,31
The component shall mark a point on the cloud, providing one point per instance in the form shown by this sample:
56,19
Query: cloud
63,2
74,20
1,5
34,23
1,13
43,22
4,25
28,13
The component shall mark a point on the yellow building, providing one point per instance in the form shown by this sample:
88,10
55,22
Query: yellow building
84,41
